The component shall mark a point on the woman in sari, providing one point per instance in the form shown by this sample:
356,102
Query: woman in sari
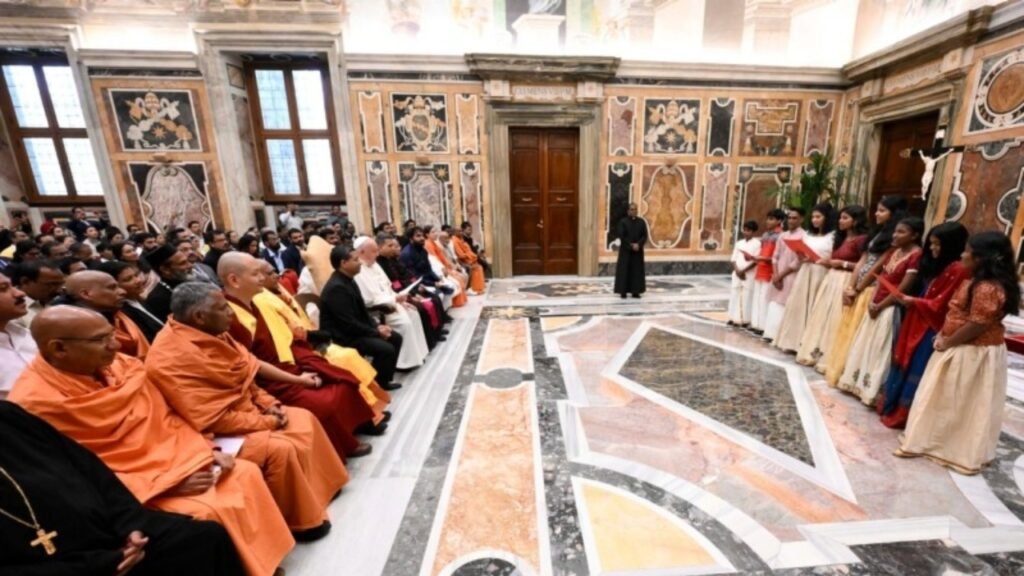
805,288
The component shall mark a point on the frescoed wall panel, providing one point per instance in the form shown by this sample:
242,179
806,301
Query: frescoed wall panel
770,127
667,204
989,184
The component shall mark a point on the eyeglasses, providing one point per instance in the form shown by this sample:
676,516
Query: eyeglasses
105,339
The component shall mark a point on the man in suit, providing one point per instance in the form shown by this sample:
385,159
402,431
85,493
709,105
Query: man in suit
217,240
273,250
344,316
292,257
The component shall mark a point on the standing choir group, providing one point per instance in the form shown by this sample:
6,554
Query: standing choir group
909,323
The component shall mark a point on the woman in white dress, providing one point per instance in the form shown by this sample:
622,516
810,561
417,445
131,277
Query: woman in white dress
819,238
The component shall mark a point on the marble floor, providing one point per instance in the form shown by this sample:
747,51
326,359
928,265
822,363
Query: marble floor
564,431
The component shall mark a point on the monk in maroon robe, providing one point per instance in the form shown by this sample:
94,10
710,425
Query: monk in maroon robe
329,392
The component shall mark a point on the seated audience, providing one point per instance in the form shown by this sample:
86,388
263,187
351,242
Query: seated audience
97,526
394,309
343,315
173,269
102,400
443,267
273,250
201,272
293,372
292,256
468,258
132,282
99,292
415,258
219,244
428,303
215,391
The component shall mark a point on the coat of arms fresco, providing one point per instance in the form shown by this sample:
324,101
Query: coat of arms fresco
421,122
151,120
670,126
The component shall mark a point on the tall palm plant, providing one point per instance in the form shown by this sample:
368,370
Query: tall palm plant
822,180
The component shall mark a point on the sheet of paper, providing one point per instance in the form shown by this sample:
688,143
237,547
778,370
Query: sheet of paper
411,287
797,245
229,444
747,255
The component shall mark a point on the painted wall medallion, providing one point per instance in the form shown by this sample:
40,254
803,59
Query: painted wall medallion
154,120
720,126
172,194
769,127
421,122
670,126
999,96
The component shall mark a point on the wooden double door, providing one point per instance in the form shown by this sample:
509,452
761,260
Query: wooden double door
544,185
900,176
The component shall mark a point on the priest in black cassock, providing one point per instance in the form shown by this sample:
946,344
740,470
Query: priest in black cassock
64,513
629,271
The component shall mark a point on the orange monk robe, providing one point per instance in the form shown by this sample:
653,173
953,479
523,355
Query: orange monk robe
210,381
133,342
436,251
336,403
123,419
469,259
347,359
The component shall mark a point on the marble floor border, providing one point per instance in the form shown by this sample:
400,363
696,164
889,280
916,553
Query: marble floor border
827,471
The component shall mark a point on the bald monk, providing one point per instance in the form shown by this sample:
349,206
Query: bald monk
102,400
470,260
276,298
99,292
329,392
210,379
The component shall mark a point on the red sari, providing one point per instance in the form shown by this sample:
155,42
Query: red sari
337,403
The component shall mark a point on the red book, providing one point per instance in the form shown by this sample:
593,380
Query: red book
797,245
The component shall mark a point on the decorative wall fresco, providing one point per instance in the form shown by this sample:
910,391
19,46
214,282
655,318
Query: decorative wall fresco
819,126
989,182
720,125
619,192
171,194
769,127
667,204
671,126
715,196
468,124
621,125
998,100
753,199
155,120
421,122
472,199
425,193
378,188
371,121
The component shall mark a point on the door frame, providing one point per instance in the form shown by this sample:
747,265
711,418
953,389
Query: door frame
500,116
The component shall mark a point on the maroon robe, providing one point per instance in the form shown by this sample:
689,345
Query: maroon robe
337,403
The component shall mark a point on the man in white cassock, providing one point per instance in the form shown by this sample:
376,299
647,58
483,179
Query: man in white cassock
400,315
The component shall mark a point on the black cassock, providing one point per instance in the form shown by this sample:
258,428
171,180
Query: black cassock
75,494
629,271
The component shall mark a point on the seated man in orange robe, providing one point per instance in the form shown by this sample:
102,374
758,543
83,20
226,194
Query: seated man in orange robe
431,235
99,292
334,395
274,297
210,379
469,259
102,400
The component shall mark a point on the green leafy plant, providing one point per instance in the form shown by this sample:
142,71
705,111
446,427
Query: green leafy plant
822,180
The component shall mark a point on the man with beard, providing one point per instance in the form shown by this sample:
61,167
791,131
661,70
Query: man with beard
292,256
173,268
99,292
200,271
217,240
429,306
17,348
273,250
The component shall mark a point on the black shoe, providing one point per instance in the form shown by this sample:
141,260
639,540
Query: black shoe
390,386
386,418
637,296
442,339
363,449
443,332
371,429
623,296
313,534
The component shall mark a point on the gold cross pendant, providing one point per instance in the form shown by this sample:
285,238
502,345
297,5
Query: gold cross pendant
46,539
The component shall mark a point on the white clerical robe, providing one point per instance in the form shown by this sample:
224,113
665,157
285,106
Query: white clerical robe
17,350
376,289
438,268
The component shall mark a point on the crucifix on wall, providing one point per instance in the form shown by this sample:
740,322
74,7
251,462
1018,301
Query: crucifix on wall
930,158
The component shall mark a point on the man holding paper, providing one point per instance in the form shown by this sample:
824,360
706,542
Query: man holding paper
785,262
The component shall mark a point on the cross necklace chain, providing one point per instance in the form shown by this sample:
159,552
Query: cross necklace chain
43,537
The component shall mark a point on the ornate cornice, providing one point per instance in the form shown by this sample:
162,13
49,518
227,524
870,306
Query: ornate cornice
542,68
957,32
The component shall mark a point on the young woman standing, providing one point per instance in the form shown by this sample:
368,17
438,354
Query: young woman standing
805,288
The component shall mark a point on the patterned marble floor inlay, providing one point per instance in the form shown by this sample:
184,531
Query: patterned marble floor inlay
584,435
738,391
